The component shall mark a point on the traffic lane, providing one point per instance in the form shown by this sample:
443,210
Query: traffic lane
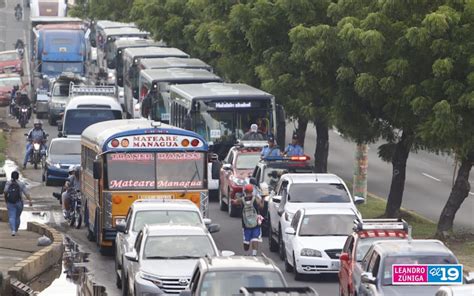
230,238
422,194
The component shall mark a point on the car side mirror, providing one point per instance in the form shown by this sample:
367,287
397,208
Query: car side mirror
226,253
344,257
207,221
367,278
213,228
97,169
132,256
359,200
227,167
276,198
121,227
185,293
290,231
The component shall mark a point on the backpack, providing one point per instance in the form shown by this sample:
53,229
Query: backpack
249,214
13,192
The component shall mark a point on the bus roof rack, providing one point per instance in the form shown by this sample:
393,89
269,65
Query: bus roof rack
90,90
380,224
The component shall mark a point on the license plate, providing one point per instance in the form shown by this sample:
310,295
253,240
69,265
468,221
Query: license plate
155,196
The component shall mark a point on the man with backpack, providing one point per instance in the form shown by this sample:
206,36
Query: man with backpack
12,192
251,205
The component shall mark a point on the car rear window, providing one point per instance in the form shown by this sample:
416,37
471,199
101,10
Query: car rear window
317,192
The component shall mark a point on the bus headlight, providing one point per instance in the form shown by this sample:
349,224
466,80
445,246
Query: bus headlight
119,220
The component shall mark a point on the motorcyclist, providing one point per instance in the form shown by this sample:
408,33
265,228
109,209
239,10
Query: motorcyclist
18,10
36,134
73,183
12,100
22,99
19,44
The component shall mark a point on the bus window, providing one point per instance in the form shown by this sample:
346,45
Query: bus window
131,171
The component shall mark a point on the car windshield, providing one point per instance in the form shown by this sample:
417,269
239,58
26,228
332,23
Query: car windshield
364,244
318,192
11,56
54,68
330,225
247,161
77,120
165,217
414,259
65,148
178,247
228,283
10,81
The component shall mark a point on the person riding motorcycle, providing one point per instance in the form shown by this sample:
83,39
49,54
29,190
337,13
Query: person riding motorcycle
22,99
18,11
12,100
36,134
73,183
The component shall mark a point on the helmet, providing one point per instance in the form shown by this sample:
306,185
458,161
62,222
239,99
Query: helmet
37,122
71,168
248,188
77,168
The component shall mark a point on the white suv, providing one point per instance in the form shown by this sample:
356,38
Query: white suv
163,258
153,211
297,191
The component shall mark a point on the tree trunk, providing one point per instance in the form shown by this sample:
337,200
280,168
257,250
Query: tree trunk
399,165
322,146
458,194
301,130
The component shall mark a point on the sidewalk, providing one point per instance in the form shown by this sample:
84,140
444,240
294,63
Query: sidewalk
14,249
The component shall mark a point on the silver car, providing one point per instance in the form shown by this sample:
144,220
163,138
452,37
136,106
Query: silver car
152,211
163,258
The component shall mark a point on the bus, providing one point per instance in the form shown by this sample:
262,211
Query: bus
154,85
100,25
163,63
125,160
56,8
131,59
221,113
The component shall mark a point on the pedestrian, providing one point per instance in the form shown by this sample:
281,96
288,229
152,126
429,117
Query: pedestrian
271,149
294,149
251,204
14,188
253,134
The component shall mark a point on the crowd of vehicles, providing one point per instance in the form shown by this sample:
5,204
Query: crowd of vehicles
156,133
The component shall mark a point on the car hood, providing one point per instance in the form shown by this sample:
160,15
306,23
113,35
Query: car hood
65,159
174,268
5,88
322,242
293,207
242,174
58,99
9,63
409,290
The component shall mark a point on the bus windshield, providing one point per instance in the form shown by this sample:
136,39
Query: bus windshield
77,120
230,125
162,170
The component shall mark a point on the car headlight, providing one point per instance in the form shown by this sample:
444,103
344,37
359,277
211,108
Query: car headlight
310,253
288,216
238,181
121,94
150,277
119,220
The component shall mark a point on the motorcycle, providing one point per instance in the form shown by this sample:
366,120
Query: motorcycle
37,154
23,116
74,215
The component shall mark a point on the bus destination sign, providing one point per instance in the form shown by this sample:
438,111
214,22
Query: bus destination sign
155,141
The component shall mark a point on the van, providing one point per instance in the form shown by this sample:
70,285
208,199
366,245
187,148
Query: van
94,104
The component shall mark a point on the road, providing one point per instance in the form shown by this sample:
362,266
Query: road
428,178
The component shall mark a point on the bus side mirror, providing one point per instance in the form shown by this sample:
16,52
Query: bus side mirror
97,169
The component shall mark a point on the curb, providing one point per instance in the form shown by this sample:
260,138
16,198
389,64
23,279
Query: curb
37,263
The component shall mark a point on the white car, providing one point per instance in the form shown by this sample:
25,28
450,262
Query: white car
316,237
152,211
163,258
297,191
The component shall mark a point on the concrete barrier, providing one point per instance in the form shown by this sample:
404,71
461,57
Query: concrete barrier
40,261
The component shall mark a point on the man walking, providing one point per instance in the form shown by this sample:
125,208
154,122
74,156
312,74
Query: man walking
12,192
251,219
